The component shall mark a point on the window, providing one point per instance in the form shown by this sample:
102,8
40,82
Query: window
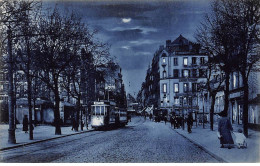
164,88
201,73
164,74
194,59
185,73
194,87
176,87
175,61
185,61
184,100
194,72
181,100
235,81
176,100
185,87
175,73
202,60
164,60
190,100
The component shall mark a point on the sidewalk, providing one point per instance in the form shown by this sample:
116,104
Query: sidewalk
40,133
207,140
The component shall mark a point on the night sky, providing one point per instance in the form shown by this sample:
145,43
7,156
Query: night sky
136,29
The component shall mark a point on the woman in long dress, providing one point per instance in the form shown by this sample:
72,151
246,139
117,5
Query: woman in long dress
225,128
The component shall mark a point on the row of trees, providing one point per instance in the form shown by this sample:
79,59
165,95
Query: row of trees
230,34
55,49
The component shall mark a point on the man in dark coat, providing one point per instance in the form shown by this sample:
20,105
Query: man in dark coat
25,123
224,129
189,122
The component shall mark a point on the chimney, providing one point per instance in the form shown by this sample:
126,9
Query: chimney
168,43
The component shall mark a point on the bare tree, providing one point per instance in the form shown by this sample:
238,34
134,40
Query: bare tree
56,50
11,20
231,33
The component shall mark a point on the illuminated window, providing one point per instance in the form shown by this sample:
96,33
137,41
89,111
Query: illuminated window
164,60
164,88
185,61
176,100
185,87
176,87
185,73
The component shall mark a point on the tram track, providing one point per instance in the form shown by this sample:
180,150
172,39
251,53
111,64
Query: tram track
36,149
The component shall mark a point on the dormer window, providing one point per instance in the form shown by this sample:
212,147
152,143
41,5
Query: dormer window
164,74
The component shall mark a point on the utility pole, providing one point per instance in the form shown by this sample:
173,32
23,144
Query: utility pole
11,130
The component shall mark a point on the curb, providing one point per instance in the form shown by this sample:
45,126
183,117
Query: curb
43,140
203,148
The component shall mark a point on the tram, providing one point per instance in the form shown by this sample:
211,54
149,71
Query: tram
105,114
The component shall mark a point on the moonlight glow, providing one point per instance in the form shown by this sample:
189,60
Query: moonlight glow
126,20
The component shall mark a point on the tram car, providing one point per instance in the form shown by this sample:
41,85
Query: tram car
105,114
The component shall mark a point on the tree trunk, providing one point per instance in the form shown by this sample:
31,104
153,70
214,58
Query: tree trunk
77,115
226,91
57,108
29,88
245,104
11,130
29,98
213,100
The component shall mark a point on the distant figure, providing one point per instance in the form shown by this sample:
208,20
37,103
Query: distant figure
151,116
73,123
165,120
128,117
25,123
224,129
189,122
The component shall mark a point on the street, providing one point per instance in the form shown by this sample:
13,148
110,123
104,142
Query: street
140,141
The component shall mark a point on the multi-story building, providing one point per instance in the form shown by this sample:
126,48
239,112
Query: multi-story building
235,112
182,68
171,81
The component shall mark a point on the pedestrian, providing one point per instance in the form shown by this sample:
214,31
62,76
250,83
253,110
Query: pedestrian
189,122
151,116
128,118
165,120
224,129
25,123
172,121
73,123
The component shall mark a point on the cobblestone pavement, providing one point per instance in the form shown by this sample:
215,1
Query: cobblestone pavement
140,141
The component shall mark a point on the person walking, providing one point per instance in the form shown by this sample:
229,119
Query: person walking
25,123
73,123
224,129
189,122
165,120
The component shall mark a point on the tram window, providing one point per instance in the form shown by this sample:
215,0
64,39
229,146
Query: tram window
98,110
93,110
102,110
